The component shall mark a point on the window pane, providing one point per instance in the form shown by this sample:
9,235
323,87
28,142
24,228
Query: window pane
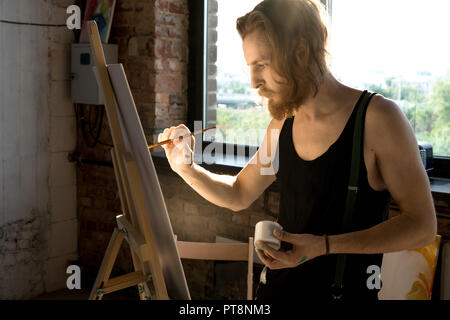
399,49
232,105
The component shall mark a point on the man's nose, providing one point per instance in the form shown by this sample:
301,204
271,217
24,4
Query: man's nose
256,81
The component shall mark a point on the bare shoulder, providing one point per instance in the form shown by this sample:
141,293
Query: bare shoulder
387,129
384,112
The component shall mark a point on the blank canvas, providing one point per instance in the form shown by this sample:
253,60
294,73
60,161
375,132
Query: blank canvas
136,145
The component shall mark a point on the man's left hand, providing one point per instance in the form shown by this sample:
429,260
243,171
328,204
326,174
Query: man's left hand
305,247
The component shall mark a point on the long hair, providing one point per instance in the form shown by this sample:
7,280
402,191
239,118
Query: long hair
297,34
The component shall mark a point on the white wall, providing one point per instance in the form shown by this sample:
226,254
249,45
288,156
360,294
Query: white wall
38,220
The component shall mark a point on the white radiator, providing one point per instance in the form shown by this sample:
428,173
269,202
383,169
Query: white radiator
445,271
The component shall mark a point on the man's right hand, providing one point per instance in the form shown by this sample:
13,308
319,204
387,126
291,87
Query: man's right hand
179,152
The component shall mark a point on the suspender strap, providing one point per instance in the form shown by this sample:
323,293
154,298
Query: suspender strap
352,188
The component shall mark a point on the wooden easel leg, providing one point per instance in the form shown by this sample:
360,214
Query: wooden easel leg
144,291
107,264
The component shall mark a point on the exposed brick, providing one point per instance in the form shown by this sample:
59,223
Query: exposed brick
23,256
177,111
212,37
144,28
213,6
212,21
240,218
9,260
168,83
124,18
162,110
162,98
147,119
163,18
198,223
124,6
180,50
176,99
212,54
175,7
143,96
144,7
162,5
162,31
121,31
23,244
212,85
85,201
256,217
26,235
212,71
190,208
100,203
177,32
164,48
146,107
10,246
133,49
176,66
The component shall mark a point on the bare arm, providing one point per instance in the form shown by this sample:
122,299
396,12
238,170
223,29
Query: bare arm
400,165
233,192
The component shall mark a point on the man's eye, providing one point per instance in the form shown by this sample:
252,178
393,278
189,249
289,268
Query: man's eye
261,66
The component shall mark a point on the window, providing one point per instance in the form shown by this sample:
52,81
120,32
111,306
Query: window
400,50
233,106
396,48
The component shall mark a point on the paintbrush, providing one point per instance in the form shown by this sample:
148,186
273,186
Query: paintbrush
185,136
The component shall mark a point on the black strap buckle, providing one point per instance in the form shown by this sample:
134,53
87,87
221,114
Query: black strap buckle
337,292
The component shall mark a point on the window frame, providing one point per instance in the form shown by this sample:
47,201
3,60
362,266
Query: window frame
197,88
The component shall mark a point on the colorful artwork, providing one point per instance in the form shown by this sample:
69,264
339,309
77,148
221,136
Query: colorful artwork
409,274
422,287
101,11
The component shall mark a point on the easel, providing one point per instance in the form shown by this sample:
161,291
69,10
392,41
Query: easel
134,225
143,250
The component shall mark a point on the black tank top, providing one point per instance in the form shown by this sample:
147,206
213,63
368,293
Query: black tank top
312,200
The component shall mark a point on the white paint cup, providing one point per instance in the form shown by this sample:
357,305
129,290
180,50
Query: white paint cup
264,232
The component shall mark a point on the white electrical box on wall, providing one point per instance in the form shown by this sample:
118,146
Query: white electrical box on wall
84,87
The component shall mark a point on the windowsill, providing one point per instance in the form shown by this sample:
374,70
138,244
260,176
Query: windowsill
440,187
228,165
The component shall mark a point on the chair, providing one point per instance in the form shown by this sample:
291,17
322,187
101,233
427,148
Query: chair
409,274
221,251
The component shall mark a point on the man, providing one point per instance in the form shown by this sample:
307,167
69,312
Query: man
284,44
